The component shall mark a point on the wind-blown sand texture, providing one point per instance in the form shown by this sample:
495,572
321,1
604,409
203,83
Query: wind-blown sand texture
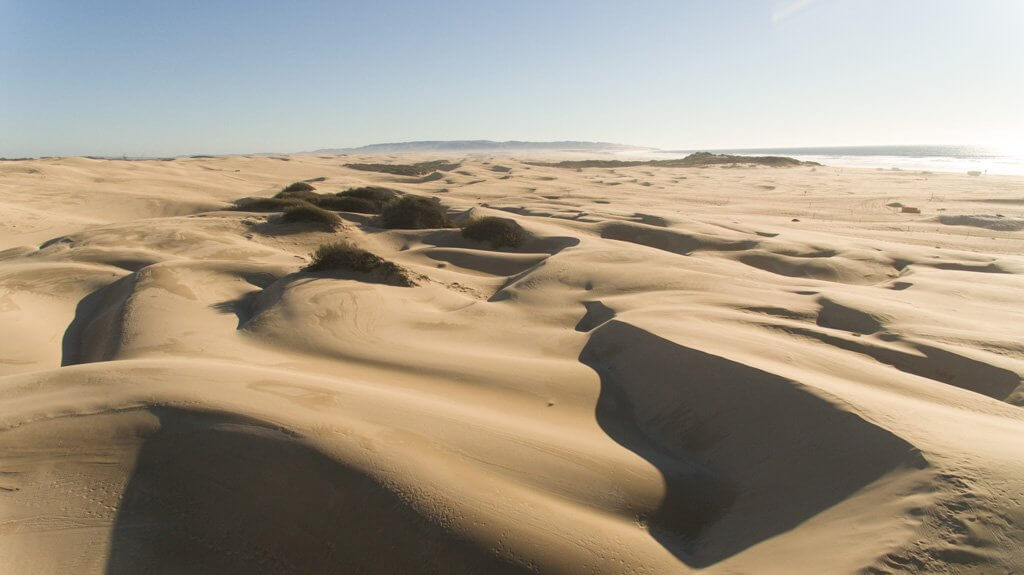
728,369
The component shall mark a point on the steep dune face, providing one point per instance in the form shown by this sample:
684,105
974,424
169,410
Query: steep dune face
234,483
729,416
727,370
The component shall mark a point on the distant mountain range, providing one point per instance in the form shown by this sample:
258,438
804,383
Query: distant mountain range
478,146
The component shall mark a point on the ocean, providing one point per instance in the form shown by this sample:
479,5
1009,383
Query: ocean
918,158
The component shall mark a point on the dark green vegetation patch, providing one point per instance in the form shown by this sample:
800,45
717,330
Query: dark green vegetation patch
417,169
499,232
266,204
297,187
364,200
414,213
308,213
345,257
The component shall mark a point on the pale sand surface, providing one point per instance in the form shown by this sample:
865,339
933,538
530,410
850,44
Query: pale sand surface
671,375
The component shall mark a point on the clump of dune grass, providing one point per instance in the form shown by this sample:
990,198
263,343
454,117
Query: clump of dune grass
266,204
345,257
364,200
374,194
499,232
298,187
308,213
417,169
347,204
414,213
305,195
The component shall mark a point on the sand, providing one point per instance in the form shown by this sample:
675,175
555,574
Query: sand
726,369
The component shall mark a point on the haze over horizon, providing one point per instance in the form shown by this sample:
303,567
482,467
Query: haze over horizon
149,79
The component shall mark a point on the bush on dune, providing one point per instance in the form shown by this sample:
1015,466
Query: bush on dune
306,195
308,213
297,187
298,191
301,203
499,232
345,257
374,194
414,213
348,204
266,204
417,169
365,200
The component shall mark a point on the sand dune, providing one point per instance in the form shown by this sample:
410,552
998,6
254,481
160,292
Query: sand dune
720,369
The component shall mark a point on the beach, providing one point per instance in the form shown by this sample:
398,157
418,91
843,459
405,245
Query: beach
722,369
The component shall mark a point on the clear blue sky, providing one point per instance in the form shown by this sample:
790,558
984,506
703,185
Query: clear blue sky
170,77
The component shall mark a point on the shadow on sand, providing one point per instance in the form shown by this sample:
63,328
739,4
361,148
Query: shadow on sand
746,455
217,493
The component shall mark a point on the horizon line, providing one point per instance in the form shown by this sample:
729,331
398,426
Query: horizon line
638,148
